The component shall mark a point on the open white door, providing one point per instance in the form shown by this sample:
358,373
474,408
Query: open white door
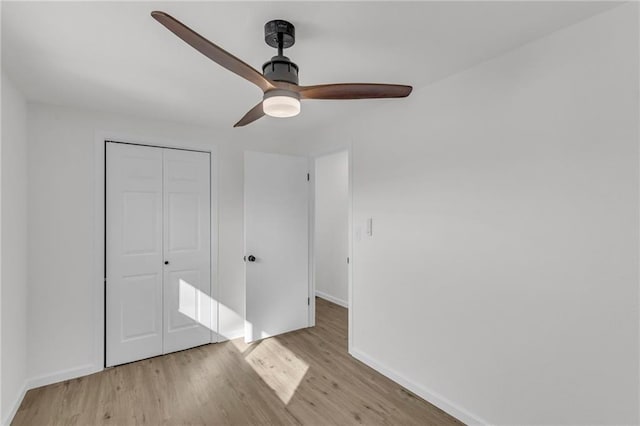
276,244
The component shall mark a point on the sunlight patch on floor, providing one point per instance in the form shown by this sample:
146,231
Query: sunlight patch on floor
280,368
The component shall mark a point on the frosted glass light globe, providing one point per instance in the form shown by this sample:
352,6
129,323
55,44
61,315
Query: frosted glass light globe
281,106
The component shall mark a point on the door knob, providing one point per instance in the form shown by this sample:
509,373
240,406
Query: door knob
166,262
251,258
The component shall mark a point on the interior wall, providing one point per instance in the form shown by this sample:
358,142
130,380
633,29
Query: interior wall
61,217
331,178
501,280
13,279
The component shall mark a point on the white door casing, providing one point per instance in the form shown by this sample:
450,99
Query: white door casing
277,234
157,211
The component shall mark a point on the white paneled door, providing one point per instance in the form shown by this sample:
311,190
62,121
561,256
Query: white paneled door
134,253
276,244
158,263
188,308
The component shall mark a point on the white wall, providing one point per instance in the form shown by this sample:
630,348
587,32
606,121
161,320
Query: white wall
13,279
331,189
62,333
501,281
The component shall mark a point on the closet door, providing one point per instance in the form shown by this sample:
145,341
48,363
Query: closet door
134,262
190,314
158,288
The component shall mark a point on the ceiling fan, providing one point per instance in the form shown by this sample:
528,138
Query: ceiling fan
279,78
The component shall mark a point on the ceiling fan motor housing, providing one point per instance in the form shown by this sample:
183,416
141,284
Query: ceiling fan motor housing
280,34
280,68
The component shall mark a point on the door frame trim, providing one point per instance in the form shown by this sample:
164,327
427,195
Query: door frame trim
311,217
99,227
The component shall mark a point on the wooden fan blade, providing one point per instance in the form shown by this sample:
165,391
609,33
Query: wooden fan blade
354,91
213,52
255,113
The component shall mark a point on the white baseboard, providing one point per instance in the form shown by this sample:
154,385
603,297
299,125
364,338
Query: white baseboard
62,375
14,407
234,334
426,394
332,299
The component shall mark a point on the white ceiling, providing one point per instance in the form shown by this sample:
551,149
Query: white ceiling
113,56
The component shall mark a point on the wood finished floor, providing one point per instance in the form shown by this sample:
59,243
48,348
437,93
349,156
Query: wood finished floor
304,377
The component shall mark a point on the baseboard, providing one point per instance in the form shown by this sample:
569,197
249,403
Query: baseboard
234,334
426,394
332,299
14,407
62,375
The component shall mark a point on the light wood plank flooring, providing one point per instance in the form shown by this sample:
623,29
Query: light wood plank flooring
303,377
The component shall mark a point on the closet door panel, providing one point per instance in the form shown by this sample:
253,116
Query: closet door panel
189,310
134,250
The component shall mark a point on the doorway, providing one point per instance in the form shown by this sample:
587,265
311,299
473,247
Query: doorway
331,227
158,257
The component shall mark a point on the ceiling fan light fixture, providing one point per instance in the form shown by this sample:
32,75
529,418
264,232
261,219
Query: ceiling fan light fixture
279,78
281,104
